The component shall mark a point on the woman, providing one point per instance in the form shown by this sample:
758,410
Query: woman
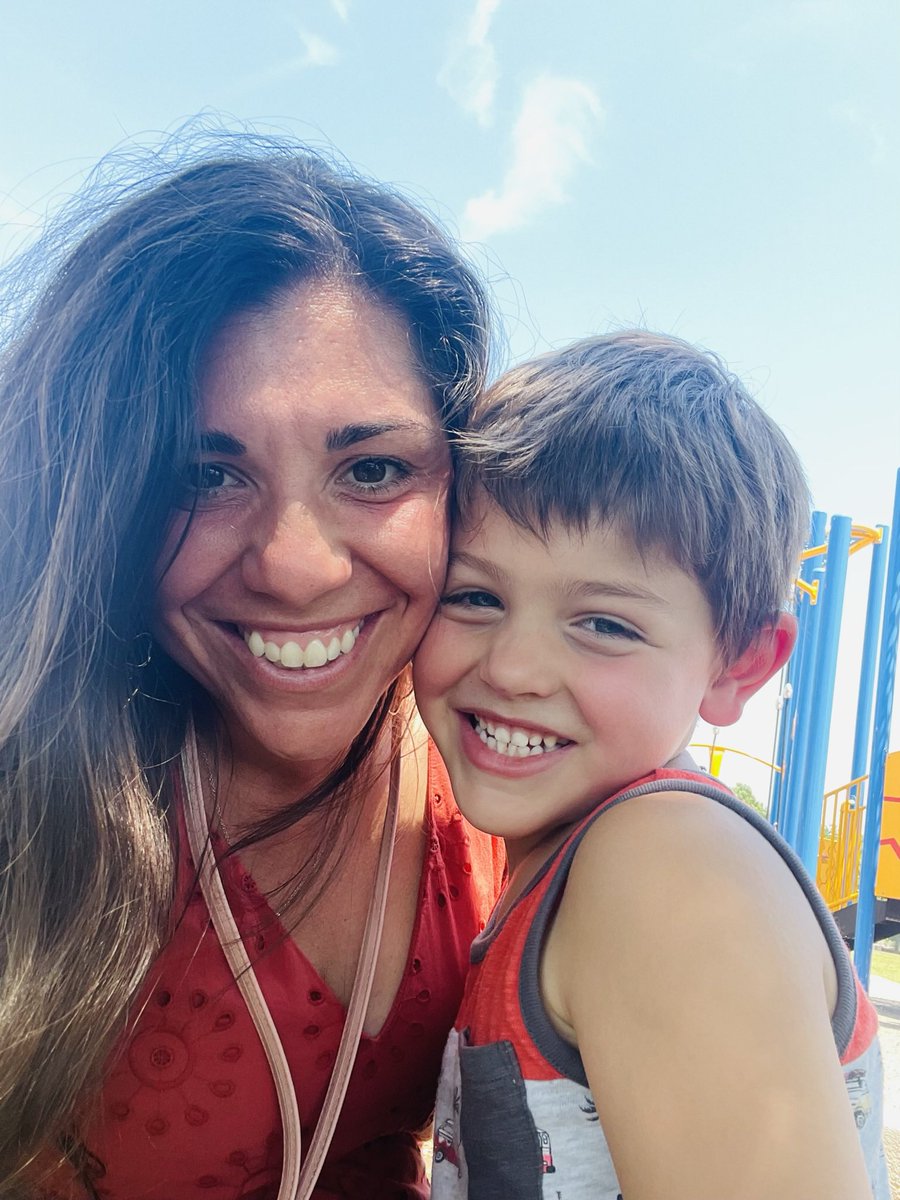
224,472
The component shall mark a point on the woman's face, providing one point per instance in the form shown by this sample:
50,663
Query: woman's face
313,561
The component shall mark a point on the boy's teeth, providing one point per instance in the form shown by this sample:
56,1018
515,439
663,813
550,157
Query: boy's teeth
293,656
513,742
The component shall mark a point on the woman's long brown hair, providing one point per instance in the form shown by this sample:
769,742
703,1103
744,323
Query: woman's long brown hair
98,387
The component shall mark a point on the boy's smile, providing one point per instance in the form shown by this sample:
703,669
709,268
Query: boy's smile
559,670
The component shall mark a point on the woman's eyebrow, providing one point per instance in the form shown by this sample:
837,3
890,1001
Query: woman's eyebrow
214,441
349,435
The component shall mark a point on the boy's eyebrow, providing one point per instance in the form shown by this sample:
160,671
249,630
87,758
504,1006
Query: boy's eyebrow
586,588
474,563
577,589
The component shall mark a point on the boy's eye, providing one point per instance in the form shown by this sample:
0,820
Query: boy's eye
610,627
471,599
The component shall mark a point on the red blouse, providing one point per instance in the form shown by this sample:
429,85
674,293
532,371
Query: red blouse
189,1108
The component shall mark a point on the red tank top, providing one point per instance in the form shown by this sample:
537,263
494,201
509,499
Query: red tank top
188,1109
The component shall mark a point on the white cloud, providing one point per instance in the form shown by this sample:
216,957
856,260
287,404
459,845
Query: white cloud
342,8
868,130
316,53
550,138
470,71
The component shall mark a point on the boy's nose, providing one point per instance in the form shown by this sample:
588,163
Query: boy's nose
298,556
519,663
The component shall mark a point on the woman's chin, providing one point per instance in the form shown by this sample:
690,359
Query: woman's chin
305,747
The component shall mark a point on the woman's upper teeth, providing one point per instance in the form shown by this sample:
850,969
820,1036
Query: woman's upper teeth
513,740
291,654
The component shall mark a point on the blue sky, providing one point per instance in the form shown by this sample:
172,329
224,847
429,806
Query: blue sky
728,172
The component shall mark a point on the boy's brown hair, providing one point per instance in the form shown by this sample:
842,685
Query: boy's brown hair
659,438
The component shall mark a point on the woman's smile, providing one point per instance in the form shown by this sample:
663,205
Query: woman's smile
309,568
293,660
303,650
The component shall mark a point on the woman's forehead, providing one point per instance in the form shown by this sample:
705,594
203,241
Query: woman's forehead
322,351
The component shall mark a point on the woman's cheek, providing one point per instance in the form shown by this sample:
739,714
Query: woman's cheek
420,537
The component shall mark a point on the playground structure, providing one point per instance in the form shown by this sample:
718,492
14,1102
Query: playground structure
840,850
848,838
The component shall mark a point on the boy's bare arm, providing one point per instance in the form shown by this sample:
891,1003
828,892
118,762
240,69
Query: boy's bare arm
688,966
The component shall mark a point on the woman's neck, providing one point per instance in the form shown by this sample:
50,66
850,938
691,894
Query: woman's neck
245,788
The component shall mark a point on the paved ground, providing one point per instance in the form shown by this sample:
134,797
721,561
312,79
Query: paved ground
886,997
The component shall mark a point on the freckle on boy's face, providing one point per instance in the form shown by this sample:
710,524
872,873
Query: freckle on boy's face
559,670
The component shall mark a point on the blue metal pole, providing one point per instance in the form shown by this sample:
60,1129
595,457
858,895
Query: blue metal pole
782,741
831,601
802,698
784,728
787,704
869,658
884,702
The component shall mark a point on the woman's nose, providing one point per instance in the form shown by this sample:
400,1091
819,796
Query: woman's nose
296,556
519,662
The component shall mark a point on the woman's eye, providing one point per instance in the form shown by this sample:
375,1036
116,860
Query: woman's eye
610,627
377,474
205,479
471,599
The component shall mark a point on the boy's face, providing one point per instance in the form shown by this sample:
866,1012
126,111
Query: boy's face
556,672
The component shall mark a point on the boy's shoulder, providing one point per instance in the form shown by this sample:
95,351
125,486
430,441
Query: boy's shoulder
681,844
673,839
675,899
687,864
687,964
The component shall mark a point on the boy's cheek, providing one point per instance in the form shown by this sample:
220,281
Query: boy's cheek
430,664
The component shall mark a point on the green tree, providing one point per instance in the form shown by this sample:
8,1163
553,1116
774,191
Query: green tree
744,792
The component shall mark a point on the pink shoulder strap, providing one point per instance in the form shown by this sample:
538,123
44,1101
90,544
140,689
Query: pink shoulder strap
297,1182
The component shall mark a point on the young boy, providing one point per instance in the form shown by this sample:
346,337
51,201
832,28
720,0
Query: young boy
661,1007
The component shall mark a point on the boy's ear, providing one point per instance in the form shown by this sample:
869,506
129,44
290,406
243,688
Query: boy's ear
768,652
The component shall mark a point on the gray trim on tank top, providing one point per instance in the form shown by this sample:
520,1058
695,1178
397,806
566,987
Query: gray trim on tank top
565,1057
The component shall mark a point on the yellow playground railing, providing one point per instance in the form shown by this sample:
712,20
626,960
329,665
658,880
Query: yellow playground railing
860,536
840,843
716,752
840,833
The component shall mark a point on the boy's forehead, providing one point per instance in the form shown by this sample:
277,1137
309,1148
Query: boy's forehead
487,526
563,571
